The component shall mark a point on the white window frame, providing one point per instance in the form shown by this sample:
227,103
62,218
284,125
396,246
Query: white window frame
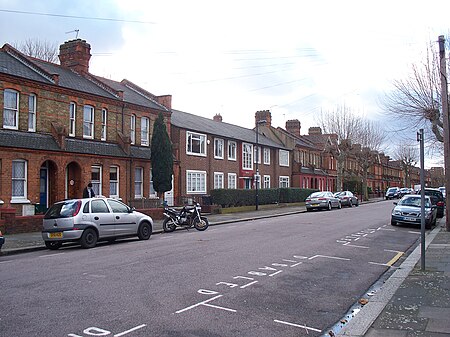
72,118
266,156
138,182
88,121
218,180
266,181
232,150
104,122
145,129
152,192
247,156
96,181
12,110
218,148
197,137
114,183
23,180
197,178
284,158
32,100
232,180
283,182
133,129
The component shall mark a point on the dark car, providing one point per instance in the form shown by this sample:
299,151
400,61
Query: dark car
437,199
347,198
407,211
393,193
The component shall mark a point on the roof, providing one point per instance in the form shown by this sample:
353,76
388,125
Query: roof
192,122
45,142
14,63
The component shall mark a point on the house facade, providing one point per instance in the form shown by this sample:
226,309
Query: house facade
62,127
213,154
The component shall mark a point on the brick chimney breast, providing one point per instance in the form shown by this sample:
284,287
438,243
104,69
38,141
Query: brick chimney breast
217,118
263,115
315,130
75,54
293,126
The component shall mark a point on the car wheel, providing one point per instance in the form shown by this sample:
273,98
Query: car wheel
357,203
169,225
339,205
393,223
350,203
89,238
309,209
144,231
329,206
53,245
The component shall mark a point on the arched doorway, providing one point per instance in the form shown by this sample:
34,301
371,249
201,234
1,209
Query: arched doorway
73,181
47,184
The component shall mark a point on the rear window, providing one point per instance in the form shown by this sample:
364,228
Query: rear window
63,210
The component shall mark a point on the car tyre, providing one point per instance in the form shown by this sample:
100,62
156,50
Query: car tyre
53,245
340,205
329,207
357,203
309,209
144,231
393,223
89,238
169,225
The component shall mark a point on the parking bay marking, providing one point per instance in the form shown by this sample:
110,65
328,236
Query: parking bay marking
297,325
205,303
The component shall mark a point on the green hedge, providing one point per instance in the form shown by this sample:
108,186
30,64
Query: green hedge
241,197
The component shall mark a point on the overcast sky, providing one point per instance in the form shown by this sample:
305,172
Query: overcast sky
295,58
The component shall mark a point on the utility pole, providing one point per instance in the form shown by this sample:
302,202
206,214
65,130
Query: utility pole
444,95
421,140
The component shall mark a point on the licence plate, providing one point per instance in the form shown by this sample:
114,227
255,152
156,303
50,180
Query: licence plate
315,205
58,235
409,219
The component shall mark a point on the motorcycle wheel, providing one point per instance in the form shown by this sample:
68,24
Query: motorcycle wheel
169,225
201,224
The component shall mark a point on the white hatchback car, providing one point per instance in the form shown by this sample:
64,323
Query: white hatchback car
92,219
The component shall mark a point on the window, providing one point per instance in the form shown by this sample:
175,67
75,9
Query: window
10,109
232,182
232,150
32,113
104,120
218,180
19,179
266,181
247,156
133,129
266,156
257,154
114,182
153,193
218,148
118,207
96,179
144,131
88,122
284,181
196,181
284,158
99,206
138,179
72,112
195,143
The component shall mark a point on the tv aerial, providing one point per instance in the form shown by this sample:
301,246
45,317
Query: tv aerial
74,31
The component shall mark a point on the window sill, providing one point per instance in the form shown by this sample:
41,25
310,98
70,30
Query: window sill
20,201
1,202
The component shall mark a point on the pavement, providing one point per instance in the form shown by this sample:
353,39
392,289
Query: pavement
410,302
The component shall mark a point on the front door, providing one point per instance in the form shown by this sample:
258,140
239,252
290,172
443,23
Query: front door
43,187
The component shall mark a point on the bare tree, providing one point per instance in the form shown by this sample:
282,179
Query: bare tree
344,125
408,156
40,49
416,100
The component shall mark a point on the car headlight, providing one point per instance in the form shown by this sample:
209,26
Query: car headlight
394,212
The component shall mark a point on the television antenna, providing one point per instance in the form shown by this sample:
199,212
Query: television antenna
74,31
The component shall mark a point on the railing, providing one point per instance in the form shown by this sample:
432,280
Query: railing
145,203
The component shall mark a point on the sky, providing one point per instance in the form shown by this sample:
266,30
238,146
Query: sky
295,58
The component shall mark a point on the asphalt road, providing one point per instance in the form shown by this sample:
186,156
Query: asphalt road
295,275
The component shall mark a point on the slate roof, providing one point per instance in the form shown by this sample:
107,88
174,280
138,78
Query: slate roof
192,122
40,141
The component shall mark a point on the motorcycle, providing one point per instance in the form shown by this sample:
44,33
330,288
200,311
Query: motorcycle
187,217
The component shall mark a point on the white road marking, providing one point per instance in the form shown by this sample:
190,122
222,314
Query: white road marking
50,255
131,330
297,325
380,264
295,265
339,241
393,251
355,246
300,257
248,284
329,257
2,262
289,260
205,303
387,229
280,271
414,232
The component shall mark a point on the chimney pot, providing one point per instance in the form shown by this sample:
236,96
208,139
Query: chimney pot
217,118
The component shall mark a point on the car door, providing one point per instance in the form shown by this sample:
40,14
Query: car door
102,217
124,218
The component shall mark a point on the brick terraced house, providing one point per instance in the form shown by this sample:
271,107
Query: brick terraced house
62,127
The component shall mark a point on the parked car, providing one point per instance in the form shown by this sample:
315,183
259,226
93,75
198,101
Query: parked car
407,211
442,189
89,220
322,200
347,198
437,199
2,240
393,193
405,190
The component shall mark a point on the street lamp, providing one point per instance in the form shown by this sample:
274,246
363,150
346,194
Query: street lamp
262,121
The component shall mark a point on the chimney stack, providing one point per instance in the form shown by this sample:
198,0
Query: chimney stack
293,126
217,118
263,115
75,54
315,130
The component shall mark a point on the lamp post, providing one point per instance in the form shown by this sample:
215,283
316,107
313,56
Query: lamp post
262,121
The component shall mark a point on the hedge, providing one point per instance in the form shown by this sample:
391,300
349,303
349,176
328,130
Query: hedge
245,197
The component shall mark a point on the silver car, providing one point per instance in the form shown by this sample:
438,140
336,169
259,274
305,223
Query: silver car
89,220
322,200
408,211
